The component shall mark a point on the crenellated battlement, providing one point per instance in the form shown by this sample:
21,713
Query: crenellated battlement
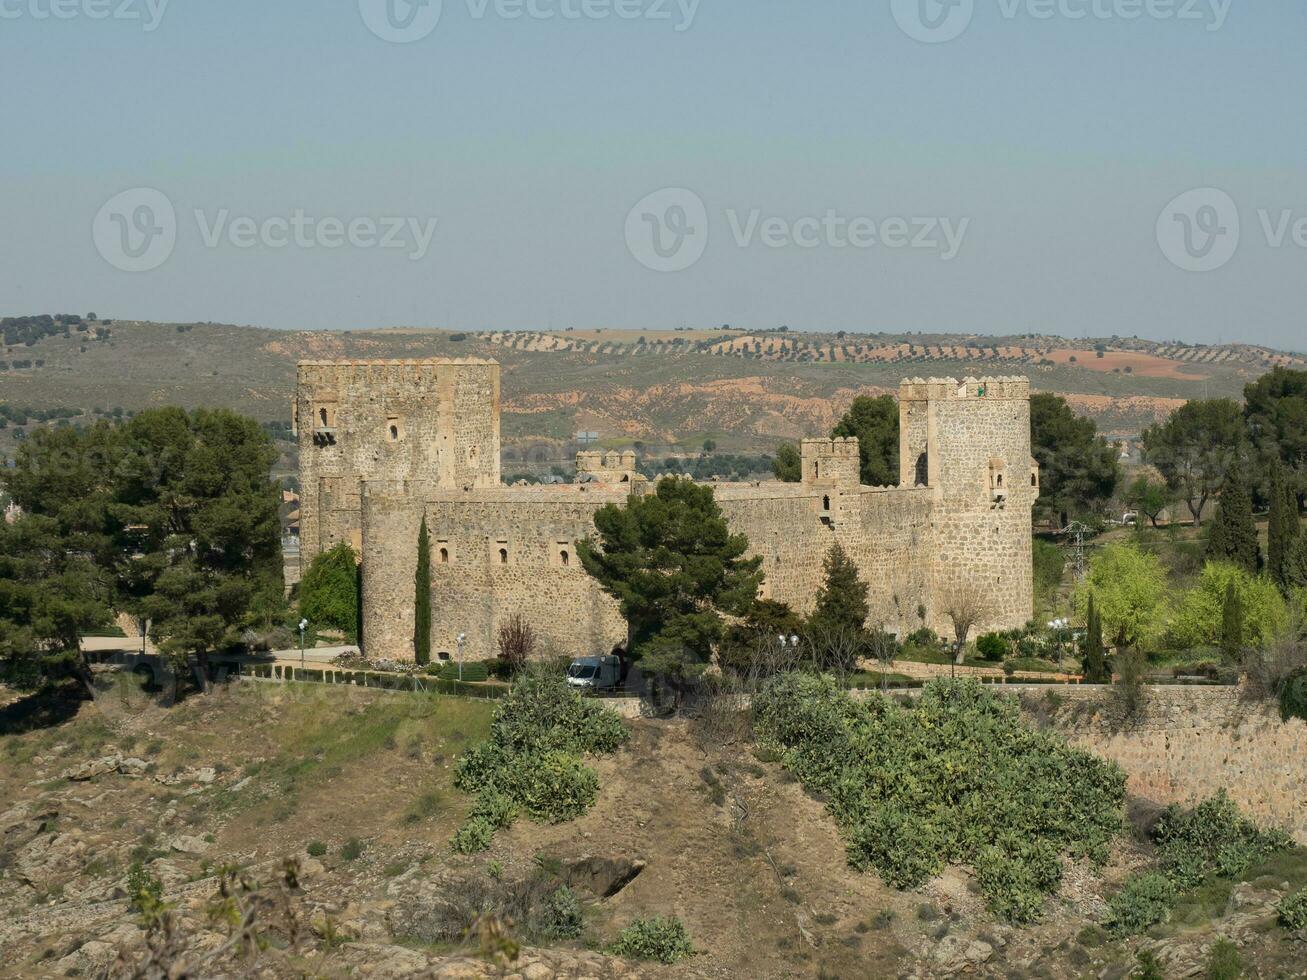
950,389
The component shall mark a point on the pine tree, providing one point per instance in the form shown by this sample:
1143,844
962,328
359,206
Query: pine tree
1232,626
1234,535
422,599
842,600
1095,666
1285,528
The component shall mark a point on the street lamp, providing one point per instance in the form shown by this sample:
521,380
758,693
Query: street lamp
460,640
304,624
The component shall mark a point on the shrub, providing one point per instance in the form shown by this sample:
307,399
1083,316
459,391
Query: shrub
474,672
991,646
473,837
1224,961
316,848
1144,901
352,849
329,594
1201,616
1213,838
559,915
663,939
956,778
532,760
1293,695
517,641
144,889
1293,910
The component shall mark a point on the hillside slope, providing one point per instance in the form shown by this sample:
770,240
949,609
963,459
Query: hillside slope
747,391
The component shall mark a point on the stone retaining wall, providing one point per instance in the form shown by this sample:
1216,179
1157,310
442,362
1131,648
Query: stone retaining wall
1188,743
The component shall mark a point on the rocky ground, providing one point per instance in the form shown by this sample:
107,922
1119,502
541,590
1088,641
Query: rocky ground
217,793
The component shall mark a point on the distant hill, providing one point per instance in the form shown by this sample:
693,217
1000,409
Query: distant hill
746,391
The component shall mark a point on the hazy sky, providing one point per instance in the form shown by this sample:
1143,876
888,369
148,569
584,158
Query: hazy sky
1017,177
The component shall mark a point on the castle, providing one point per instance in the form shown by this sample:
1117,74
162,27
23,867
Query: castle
384,443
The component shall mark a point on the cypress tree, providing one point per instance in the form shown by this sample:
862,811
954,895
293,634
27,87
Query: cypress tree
1232,626
422,599
1234,535
1295,564
1095,666
1285,528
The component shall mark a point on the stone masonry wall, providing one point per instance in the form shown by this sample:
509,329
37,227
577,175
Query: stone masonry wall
1191,742
432,420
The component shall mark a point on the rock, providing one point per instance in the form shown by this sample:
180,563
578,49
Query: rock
89,958
537,971
242,784
954,954
311,866
90,770
189,844
603,877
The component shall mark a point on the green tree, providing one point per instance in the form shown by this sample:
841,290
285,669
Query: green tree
1200,618
1233,536
329,592
1275,408
422,598
788,466
1232,625
1078,469
875,423
842,598
673,564
1196,448
753,647
1285,527
1129,591
1095,666
194,520
1148,497
1295,564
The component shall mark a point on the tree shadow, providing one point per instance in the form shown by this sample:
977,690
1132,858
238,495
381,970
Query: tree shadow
51,705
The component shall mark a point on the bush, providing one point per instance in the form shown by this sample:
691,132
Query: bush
956,778
473,837
474,671
533,761
559,915
144,889
352,849
1144,901
1212,839
1293,695
1293,910
1224,962
663,939
329,593
316,848
992,646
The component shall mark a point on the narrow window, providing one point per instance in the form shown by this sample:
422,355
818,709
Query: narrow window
825,503
565,558
394,433
503,556
1034,480
322,414
444,556
1000,479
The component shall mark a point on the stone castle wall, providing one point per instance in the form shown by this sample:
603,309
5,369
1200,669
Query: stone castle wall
432,420
498,551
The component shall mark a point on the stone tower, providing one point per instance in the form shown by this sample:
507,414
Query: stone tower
969,443
435,421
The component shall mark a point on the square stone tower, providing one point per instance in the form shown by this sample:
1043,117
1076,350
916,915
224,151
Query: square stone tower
434,421
969,443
